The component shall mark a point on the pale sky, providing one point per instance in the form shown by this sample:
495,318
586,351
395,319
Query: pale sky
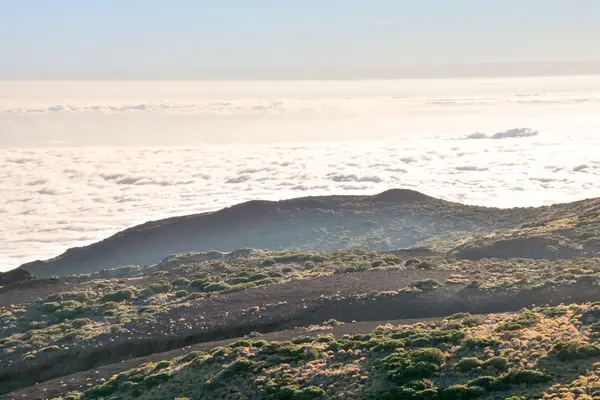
243,39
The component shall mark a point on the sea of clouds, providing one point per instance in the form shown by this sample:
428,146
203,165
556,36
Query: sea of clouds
78,172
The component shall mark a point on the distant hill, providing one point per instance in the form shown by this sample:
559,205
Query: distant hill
394,219
567,231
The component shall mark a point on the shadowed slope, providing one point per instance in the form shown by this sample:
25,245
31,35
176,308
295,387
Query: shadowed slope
394,219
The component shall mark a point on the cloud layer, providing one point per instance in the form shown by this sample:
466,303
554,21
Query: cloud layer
380,134
57,198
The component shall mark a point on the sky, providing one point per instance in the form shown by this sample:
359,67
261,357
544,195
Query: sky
287,39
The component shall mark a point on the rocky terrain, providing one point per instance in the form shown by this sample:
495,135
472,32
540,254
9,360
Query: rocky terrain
393,296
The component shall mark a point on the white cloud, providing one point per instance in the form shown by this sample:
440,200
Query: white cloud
371,137
68,197
510,133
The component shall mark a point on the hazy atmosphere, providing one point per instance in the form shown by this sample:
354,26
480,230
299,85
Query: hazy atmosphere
99,128
82,160
267,39
300,200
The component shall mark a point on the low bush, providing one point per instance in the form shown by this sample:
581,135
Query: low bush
81,322
181,293
426,284
574,350
49,307
156,379
118,295
497,362
161,287
523,320
180,282
468,364
525,376
216,287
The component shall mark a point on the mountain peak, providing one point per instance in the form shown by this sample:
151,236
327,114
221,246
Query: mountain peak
402,196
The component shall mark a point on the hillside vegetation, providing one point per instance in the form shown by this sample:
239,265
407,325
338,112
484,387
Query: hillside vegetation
548,352
388,221
487,304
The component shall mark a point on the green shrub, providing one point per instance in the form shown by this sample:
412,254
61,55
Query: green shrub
241,343
480,342
147,310
309,393
132,387
118,296
526,319
385,344
525,376
426,284
73,396
291,350
82,296
180,282
257,277
199,283
240,366
157,378
162,365
267,281
468,364
49,307
499,363
421,384
181,293
429,354
161,287
268,262
195,295
37,324
101,391
68,313
220,351
237,280
574,350
216,287
405,366
553,312
324,339
309,265
418,370
486,382
425,394
73,334
81,322
460,392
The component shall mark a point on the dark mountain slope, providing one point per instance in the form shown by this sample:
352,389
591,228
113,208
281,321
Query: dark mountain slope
393,219
567,232
390,220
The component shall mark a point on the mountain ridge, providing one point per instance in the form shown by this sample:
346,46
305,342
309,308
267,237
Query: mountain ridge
393,219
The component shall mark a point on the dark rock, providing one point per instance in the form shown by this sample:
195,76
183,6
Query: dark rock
17,275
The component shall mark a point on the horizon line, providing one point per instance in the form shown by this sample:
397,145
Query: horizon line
329,72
